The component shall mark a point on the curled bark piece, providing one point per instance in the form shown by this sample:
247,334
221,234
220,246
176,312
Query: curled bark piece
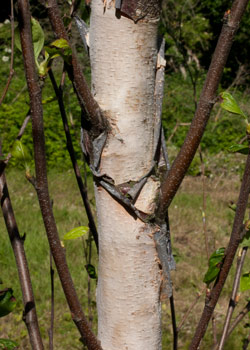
163,247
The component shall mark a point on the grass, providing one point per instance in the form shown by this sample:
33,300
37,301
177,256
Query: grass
188,244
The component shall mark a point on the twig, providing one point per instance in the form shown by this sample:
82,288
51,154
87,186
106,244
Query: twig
52,312
233,299
239,318
70,147
42,182
235,239
214,330
18,94
175,330
175,129
29,313
174,177
246,342
12,53
190,309
204,203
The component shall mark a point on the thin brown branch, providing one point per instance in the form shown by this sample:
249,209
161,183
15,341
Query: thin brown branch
70,147
239,318
235,239
175,129
204,203
190,309
42,182
52,298
29,314
246,342
233,299
174,177
12,53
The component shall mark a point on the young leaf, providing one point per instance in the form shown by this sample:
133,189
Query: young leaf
7,302
37,38
7,344
245,282
62,48
246,240
91,271
76,233
243,149
60,44
20,152
230,105
214,265
211,274
43,66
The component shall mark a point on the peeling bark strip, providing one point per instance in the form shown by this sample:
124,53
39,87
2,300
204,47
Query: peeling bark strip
41,179
182,162
140,9
29,313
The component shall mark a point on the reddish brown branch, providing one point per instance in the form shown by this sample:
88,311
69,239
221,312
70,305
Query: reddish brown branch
41,179
12,54
228,260
29,314
182,162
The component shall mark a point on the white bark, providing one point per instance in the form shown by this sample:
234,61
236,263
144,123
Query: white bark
123,61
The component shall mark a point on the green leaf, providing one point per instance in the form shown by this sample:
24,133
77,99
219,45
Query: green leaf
7,302
239,149
214,263
91,271
49,99
43,66
230,105
7,344
21,153
52,52
245,282
62,48
246,240
60,44
211,274
232,206
76,233
217,257
37,38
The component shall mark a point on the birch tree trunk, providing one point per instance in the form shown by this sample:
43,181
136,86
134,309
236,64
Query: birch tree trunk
123,62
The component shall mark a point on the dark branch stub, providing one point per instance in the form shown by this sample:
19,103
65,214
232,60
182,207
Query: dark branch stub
139,9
